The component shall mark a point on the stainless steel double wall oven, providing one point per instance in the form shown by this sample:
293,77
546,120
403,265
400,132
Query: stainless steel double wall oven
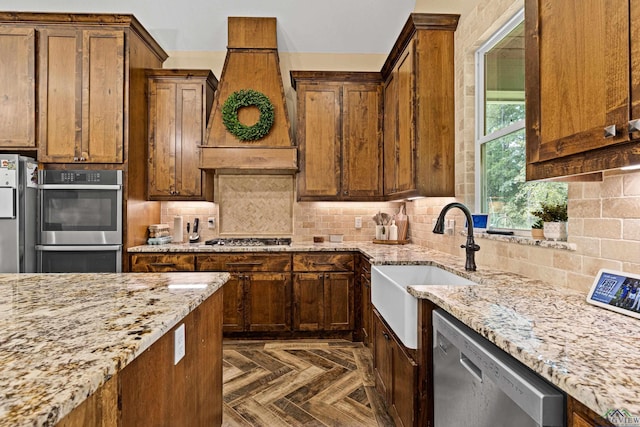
80,221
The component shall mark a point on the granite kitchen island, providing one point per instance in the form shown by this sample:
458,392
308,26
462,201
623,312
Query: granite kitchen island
71,345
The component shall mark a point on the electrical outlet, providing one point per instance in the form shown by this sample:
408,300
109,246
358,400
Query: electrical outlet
451,226
179,344
211,222
358,222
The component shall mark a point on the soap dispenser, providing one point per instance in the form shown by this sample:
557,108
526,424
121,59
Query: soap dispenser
393,230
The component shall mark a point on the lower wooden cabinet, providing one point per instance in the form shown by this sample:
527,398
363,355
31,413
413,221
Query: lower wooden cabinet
267,302
396,374
323,301
579,415
153,390
233,310
323,296
257,298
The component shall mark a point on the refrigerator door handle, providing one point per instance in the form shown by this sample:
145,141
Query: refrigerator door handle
9,211
72,248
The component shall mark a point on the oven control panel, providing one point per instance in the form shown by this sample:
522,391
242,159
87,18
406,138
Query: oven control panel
82,177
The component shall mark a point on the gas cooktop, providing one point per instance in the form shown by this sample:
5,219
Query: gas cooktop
250,241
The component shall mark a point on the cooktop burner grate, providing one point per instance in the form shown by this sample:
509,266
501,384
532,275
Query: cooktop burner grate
250,241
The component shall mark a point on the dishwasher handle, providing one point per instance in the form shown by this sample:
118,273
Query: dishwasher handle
471,367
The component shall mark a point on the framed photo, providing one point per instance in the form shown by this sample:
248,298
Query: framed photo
616,291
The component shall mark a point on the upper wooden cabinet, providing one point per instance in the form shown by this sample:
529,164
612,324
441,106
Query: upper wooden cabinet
339,135
419,128
81,102
75,71
583,86
399,126
17,88
179,105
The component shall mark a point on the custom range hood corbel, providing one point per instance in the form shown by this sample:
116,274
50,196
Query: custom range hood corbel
251,64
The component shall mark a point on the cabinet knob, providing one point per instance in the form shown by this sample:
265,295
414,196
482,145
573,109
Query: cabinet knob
610,131
634,125
75,159
345,192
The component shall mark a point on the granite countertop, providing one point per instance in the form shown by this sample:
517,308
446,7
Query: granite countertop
62,336
588,352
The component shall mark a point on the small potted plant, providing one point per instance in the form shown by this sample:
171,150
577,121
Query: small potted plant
536,230
554,220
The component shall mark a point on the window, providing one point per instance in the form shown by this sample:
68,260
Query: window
501,189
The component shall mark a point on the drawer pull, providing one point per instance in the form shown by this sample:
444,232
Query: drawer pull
634,125
243,264
163,264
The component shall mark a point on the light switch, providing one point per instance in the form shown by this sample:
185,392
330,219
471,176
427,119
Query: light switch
358,222
180,344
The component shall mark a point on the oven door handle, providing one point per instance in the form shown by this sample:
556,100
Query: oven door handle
79,187
70,248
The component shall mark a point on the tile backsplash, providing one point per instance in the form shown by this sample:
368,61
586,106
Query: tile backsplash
309,219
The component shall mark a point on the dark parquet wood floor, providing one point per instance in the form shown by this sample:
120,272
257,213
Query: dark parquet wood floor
300,383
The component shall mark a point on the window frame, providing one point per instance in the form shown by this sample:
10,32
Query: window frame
480,138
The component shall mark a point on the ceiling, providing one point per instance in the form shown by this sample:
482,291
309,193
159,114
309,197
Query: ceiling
309,26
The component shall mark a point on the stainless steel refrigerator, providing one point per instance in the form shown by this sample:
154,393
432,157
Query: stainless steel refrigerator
18,213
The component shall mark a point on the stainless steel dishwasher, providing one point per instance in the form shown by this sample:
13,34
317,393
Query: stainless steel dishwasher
477,384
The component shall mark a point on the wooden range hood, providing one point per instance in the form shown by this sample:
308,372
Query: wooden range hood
251,63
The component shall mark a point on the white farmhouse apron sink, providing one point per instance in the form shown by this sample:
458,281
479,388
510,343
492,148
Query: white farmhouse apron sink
399,308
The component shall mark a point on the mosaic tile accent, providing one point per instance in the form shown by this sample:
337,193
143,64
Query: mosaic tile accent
256,205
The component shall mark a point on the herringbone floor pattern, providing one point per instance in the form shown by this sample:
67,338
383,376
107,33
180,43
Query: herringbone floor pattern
300,383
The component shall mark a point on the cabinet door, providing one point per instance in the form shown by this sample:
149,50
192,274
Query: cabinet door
81,96
365,300
382,358
162,139
176,129
390,133
233,302
362,141
308,301
319,139
405,174
338,302
578,69
268,302
403,396
102,96
60,95
17,88
191,119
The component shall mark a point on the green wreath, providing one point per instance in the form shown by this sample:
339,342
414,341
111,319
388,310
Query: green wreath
246,98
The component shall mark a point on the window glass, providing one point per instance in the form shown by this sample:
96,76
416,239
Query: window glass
500,148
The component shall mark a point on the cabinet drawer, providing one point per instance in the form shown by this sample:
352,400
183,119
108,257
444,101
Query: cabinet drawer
162,262
323,262
244,262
